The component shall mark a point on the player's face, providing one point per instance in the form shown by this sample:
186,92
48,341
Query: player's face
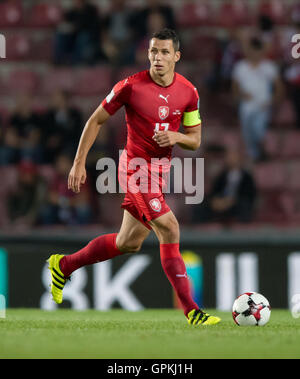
162,56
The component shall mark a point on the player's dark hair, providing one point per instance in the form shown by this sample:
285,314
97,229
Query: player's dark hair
167,34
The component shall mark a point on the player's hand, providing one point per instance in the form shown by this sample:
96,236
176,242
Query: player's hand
166,138
77,177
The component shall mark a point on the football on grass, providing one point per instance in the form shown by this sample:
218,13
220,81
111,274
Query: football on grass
251,309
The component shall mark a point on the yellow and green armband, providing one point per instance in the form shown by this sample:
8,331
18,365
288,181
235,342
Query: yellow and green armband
191,119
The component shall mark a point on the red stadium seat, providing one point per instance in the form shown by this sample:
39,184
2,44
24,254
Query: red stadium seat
274,207
47,172
193,14
11,14
10,175
22,81
272,144
277,10
127,71
200,47
44,15
58,79
294,12
285,114
230,139
18,47
271,176
4,116
290,145
233,13
294,177
42,48
93,81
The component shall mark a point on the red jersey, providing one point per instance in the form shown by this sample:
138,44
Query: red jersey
151,107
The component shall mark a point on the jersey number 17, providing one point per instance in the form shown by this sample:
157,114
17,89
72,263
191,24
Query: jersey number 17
161,127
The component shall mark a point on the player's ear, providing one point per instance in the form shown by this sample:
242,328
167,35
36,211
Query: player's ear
177,56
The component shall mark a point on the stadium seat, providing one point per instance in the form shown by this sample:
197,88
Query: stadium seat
233,13
193,14
294,12
272,144
44,15
277,10
4,115
10,175
201,46
41,46
22,81
271,176
47,172
18,47
285,114
126,71
294,177
290,145
58,79
230,139
272,208
93,81
11,14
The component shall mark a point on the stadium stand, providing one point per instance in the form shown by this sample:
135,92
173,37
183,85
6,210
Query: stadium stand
28,68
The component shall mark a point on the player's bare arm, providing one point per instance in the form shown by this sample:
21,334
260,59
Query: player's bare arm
77,175
189,140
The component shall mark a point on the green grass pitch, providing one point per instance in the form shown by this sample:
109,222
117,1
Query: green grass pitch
155,334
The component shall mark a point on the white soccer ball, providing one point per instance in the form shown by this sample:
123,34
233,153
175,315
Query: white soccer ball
251,309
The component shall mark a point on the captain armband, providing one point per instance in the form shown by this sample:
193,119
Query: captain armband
191,119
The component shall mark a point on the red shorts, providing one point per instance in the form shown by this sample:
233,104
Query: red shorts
142,203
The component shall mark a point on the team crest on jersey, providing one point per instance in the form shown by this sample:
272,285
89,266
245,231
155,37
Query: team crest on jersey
163,112
155,204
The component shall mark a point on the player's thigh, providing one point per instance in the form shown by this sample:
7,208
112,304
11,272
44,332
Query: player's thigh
132,234
166,228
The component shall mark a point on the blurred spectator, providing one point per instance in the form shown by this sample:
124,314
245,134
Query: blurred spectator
266,30
63,206
155,22
77,39
257,87
292,76
62,127
22,138
25,201
118,35
9,146
229,52
232,196
140,21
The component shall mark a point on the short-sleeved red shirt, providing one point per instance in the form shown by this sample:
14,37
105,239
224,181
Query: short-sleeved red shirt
151,107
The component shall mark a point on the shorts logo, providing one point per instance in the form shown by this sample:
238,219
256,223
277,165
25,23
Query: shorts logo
155,205
163,112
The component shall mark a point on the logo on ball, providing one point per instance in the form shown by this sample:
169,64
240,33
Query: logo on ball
251,309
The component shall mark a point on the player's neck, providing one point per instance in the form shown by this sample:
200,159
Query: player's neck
162,80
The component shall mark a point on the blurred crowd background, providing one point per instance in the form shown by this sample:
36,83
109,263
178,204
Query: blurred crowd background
64,56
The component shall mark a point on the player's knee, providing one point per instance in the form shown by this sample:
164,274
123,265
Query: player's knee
169,232
128,247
